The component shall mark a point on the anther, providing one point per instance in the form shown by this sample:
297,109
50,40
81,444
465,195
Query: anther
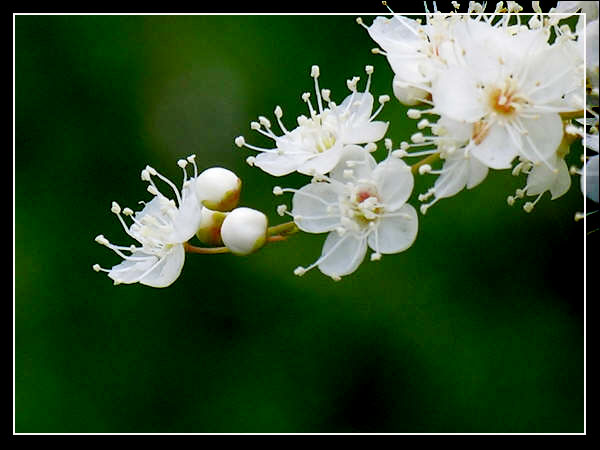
128,211
375,256
240,141
264,121
579,216
152,189
299,271
425,168
281,209
314,71
254,125
423,209
417,138
96,267
305,96
369,69
388,143
250,160
325,93
100,239
191,159
277,190
371,147
413,113
528,207
145,175
115,208
510,200
384,98
278,112
423,123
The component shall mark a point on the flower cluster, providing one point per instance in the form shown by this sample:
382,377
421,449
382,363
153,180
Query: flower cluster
490,91
499,93
358,202
205,207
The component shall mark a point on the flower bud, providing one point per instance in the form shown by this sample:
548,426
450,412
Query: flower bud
209,231
244,230
218,189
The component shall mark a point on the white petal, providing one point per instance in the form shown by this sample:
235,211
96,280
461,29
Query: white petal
355,113
154,271
322,163
563,181
316,206
395,232
477,173
279,164
395,182
542,179
458,83
497,149
187,220
354,158
364,133
454,177
342,254
130,271
168,270
543,137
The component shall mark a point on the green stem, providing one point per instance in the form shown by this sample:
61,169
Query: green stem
284,229
276,233
189,248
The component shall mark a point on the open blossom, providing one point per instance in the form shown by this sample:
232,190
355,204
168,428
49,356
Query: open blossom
361,204
498,86
160,228
317,144
452,140
513,98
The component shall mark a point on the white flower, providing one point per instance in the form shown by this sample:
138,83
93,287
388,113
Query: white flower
161,228
415,52
513,99
244,230
453,140
361,204
316,145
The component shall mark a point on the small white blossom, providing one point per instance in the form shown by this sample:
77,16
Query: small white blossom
244,230
317,144
361,204
161,227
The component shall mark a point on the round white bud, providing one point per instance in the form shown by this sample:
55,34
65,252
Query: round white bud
209,230
218,189
244,230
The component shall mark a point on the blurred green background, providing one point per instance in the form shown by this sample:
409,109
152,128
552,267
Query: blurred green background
478,327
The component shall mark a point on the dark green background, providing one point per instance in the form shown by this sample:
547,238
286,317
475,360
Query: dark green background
478,327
